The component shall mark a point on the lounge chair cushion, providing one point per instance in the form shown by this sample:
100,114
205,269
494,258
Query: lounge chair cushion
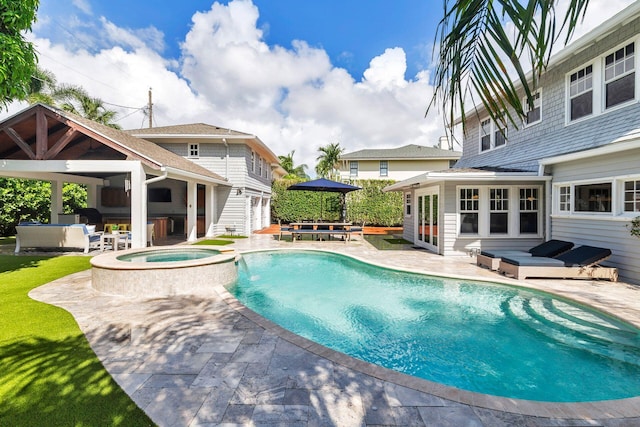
550,248
584,255
532,261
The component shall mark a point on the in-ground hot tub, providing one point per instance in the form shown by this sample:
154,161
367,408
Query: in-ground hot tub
164,271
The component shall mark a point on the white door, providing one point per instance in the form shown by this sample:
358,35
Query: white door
426,226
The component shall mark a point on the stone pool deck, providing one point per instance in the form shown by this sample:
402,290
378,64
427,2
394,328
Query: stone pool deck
190,361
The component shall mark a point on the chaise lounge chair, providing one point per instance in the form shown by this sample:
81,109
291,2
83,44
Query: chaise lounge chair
579,263
549,249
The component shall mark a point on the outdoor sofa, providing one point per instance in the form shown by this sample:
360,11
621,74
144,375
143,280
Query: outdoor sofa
550,249
54,236
582,262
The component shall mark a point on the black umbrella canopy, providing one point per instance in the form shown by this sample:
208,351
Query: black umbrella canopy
323,184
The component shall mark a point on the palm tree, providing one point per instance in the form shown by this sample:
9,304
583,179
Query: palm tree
42,87
475,53
328,160
292,171
76,100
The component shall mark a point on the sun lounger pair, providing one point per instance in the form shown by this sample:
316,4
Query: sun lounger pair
550,249
578,263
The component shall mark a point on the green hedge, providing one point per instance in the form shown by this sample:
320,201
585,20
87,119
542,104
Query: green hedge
370,204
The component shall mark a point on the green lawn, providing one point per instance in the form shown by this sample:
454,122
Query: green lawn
48,373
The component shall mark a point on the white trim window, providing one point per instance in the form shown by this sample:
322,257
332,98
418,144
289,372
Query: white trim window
632,196
194,150
384,168
593,197
407,204
529,210
620,76
499,211
259,165
581,93
469,210
533,115
353,168
253,161
492,135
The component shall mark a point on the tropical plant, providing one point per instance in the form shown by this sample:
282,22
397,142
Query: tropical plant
18,58
76,100
475,54
329,160
634,227
293,171
42,87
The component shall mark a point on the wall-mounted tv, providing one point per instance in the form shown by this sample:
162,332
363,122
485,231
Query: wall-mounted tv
160,195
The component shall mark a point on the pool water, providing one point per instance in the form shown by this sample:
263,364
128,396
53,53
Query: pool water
476,336
168,255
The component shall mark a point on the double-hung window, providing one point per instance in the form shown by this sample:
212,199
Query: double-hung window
469,210
620,76
253,161
384,168
499,211
492,135
534,114
581,93
529,202
259,166
353,168
407,204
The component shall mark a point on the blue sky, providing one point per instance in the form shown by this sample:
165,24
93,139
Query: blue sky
297,74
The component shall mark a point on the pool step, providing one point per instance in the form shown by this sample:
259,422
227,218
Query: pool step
577,328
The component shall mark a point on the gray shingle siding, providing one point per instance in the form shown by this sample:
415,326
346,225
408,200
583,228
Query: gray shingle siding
552,136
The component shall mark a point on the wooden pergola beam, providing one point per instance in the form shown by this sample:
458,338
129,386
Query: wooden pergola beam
19,142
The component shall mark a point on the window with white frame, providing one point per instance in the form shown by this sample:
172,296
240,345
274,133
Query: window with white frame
469,210
619,76
499,211
407,204
564,201
534,114
194,150
384,168
253,161
492,135
632,196
529,205
581,93
259,166
353,168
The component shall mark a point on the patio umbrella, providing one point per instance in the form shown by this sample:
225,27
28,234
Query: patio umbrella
325,185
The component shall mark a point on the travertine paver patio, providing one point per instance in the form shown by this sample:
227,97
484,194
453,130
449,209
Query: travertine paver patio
190,361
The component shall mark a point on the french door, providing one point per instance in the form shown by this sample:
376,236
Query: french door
426,226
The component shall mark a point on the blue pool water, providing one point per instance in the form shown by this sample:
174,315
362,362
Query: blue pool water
481,337
168,255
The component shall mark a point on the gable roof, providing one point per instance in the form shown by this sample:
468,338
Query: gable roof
407,152
131,147
205,131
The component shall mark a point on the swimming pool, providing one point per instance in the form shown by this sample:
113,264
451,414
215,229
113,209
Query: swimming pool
476,336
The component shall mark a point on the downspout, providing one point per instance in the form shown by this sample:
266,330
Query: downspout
157,178
226,160
547,204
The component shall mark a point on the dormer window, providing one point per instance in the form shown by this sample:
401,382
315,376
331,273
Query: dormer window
534,115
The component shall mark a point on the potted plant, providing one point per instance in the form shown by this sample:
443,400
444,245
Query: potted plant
115,228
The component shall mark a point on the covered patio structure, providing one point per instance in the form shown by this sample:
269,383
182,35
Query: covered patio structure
45,143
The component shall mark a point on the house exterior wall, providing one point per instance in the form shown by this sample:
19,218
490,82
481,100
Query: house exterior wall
601,229
552,135
234,205
398,169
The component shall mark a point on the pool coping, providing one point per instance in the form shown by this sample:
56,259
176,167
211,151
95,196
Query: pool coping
604,409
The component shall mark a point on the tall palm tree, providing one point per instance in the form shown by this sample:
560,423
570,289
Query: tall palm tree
76,100
328,160
293,171
475,53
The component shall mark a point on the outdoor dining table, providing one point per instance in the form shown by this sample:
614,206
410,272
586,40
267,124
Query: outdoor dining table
115,239
319,228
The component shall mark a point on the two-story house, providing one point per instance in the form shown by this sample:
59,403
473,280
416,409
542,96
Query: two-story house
571,171
189,180
395,163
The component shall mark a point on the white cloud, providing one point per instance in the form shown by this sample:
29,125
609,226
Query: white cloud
83,5
291,98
